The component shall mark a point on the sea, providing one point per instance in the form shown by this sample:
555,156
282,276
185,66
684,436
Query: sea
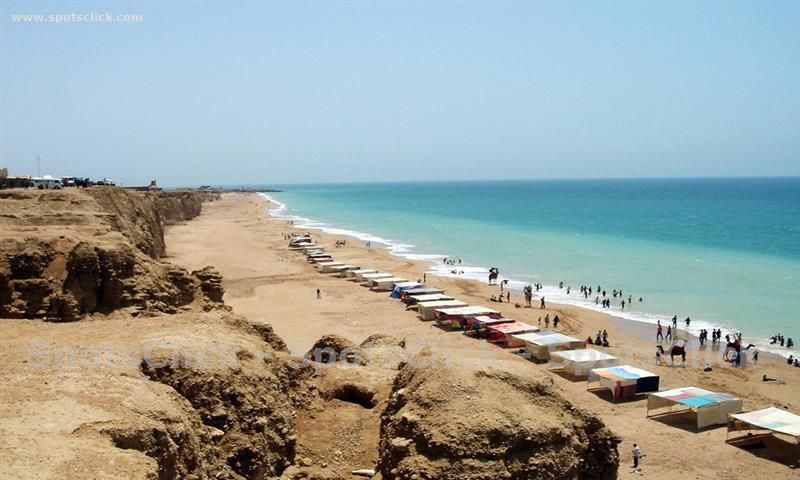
724,252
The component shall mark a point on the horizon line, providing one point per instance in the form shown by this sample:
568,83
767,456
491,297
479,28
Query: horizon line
548,179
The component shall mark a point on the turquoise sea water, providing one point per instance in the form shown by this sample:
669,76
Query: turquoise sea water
724,251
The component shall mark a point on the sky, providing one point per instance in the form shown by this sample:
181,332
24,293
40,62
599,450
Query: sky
270,93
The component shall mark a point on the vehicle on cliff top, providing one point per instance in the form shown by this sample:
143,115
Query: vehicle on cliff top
47,183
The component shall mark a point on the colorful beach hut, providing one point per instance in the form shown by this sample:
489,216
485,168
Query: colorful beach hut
506,334
479,323
541,344
624,381
710,408
772,420
400,288
456,318
426,309
579,362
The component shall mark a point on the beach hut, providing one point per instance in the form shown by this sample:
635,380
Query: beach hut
368,277
340,269
358,271
505,334
400,288
770,421
541,344
385,284
324,267
624,381
430,297
426,309
579,362
423,291
298,241
479,323
709,408
456,317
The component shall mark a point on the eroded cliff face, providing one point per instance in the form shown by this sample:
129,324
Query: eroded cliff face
64,254
198,395
142,216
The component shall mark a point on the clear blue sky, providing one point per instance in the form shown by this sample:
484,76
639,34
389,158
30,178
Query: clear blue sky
256,92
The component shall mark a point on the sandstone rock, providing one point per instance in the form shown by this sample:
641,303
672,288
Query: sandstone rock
517,427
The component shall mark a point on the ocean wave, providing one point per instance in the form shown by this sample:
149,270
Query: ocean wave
553,294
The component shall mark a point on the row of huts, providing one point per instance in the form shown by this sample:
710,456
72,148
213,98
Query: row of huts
568,354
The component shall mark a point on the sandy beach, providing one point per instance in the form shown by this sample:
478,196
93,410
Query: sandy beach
268,283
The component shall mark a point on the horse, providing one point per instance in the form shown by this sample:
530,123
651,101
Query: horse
493,273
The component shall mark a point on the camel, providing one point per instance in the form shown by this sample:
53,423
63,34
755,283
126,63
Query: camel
675,350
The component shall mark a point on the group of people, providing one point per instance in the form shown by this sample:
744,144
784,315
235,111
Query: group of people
547,321
794,361
499,298
606,302
716,334
671,330
451,261
601,339
780,340
687,321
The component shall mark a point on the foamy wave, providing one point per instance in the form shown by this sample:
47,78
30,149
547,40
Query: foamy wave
553,294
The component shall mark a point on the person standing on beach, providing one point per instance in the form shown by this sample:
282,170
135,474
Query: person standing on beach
424,277
555,321
319,294
636,454
674,321
669,334
542,303
659,334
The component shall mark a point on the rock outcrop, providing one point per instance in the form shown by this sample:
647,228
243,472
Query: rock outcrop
482,424
73,252
189,396
248,404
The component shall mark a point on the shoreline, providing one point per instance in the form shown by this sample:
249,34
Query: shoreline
469,272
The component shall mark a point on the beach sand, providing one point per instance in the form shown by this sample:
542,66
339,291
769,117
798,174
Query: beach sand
266,282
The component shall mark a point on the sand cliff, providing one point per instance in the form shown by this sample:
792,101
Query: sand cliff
68,253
